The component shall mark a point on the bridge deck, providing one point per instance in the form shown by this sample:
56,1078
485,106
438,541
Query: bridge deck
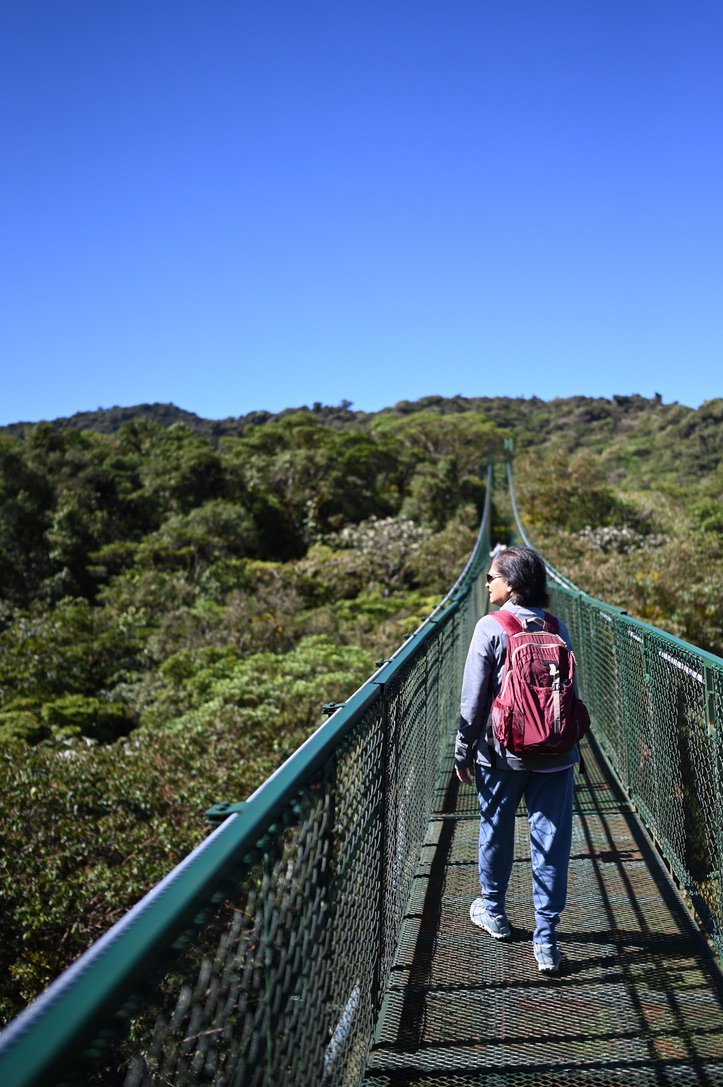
639,999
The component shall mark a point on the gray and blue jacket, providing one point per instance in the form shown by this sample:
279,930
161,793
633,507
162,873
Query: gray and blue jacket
483,674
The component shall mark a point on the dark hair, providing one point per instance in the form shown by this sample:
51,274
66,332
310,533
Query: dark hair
524,570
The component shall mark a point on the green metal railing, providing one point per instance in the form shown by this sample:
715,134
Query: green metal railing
657,709
262,959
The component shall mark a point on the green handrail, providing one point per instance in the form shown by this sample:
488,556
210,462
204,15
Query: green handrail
314,868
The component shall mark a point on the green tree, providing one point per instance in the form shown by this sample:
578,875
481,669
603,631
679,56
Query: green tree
565,492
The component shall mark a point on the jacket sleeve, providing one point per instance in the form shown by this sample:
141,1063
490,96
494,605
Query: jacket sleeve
480,672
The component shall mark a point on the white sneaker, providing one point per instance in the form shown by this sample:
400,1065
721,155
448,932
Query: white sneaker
498,927
548,958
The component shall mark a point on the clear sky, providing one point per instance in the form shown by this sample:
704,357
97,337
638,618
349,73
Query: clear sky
246,204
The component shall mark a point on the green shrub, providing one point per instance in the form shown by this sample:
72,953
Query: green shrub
20,725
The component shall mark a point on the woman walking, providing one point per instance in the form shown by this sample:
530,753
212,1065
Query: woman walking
517,583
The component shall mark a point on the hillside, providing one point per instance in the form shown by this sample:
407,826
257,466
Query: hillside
639,439
173,615
179,596
109,420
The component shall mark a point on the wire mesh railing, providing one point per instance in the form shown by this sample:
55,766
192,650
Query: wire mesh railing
262,959
657,709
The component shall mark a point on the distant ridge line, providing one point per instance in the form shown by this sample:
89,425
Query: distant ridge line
109,420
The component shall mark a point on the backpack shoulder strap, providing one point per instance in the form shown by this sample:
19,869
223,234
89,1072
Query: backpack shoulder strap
509,622
552,623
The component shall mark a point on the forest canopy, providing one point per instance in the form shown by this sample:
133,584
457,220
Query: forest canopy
179,597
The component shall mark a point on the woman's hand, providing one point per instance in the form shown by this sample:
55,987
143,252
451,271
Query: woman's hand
464,775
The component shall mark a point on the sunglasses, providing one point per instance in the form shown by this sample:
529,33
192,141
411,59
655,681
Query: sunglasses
492,577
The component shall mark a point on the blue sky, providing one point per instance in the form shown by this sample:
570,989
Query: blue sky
239,205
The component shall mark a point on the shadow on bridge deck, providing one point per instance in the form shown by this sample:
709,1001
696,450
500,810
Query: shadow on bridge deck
639,999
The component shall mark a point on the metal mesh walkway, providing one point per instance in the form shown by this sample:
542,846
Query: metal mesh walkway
267,956
639,999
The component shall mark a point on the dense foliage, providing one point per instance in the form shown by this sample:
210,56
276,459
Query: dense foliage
178,597
648,541
173,615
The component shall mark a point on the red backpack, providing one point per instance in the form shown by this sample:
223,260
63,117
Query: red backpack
537,711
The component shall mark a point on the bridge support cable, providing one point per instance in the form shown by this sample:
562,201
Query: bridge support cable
657,708
263,958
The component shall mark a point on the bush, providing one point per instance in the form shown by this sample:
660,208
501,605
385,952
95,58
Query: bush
564,492
20,725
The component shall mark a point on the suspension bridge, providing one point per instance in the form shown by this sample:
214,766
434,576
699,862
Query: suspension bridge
320,934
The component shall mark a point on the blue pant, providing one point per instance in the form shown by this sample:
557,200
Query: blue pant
549,812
